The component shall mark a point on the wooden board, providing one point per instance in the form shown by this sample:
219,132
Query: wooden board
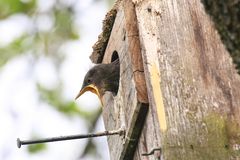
193,88
129,108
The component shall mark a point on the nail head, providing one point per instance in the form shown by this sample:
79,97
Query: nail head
19,143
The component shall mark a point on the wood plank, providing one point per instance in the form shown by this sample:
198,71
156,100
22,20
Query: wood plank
134,50
198,82
128,108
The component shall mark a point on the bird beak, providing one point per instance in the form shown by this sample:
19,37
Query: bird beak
92,88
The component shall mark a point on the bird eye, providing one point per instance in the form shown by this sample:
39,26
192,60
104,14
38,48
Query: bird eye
88,81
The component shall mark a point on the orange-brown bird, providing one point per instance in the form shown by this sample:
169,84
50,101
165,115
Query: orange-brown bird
101,78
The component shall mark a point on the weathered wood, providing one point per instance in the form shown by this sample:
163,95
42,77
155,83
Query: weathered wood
129,108
199,85
190,83
226,16
134,50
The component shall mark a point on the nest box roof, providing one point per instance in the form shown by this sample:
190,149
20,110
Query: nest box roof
101,44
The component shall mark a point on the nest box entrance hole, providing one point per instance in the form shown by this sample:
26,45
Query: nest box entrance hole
115,57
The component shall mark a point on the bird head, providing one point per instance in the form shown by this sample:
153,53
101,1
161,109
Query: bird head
101,78
91,82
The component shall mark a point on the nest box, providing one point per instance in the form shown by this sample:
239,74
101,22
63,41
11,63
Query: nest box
128,109
178,90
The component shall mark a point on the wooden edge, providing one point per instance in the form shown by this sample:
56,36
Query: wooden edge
126,146
135,129
150,57
134,49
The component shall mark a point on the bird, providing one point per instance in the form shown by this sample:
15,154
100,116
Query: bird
101,78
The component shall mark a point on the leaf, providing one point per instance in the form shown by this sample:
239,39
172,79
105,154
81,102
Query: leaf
8,7
34,148
17,47
90,148
70,108
64,24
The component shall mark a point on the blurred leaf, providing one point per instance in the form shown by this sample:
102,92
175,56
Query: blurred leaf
17,47
71,108
90,148
36,148
64,24
47,43
53,97
50,96
8,7
94,118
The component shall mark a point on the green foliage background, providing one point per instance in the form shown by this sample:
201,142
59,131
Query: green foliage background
46,43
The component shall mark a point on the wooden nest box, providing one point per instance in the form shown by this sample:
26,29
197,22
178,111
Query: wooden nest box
179,94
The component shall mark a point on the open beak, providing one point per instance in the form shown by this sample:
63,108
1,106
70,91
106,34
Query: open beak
92,88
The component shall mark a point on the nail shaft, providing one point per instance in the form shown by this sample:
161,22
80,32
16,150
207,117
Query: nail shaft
71,137
152,151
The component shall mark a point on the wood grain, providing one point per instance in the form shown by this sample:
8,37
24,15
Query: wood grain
199,84
172,58
129,107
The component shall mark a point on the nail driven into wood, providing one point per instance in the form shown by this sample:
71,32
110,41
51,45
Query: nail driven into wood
152,151
71,137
